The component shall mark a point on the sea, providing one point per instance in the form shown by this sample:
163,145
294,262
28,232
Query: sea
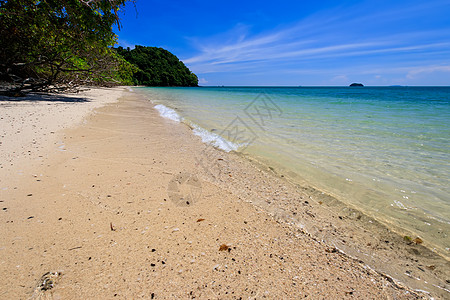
382,150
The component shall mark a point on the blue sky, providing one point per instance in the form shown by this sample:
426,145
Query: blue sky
291,43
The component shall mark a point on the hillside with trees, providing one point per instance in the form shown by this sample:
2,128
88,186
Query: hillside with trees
157,67
55,46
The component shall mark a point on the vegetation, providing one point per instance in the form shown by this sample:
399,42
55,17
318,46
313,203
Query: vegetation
51,45
158,67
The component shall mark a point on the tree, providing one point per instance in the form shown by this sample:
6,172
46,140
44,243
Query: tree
158,67
51,45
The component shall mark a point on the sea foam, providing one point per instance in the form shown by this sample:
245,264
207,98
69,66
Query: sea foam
206,136
214,139
168,113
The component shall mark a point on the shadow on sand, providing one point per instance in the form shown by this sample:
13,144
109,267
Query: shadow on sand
45,97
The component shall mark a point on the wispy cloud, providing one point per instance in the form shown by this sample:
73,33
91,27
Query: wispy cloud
329,39
276,48
430,69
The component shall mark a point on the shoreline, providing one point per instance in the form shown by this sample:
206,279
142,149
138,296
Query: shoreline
345,160
383,246
360,236
344,228
106,200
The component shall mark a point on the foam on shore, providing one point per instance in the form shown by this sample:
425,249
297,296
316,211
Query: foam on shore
207,137
214,139
168,113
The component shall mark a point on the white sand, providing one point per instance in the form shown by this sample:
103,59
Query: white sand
29,124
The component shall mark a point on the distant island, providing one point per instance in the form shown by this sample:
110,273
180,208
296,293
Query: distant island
357,84
157,67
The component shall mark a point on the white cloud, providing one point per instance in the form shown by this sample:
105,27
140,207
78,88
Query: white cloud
202,81
412,74
237,49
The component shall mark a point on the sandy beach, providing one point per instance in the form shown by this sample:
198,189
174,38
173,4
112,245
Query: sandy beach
117,202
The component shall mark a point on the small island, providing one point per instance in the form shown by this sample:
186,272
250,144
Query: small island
356,84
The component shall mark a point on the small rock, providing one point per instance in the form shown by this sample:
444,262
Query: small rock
418,240
223,247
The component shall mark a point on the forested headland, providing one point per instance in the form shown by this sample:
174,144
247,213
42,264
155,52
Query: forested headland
54,46
157,67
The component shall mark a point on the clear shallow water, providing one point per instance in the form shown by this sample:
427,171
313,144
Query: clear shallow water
383,150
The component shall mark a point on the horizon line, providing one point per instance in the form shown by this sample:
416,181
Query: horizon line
300,86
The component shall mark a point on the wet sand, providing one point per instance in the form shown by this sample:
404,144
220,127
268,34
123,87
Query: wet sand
125,204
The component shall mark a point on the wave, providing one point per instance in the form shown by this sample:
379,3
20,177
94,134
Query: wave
168,113
207,137
214,139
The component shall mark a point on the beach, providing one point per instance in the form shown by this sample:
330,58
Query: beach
117,202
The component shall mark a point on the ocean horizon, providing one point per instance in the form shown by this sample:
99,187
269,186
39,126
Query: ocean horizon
314,86
382,150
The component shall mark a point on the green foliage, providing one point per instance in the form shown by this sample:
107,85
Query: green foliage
47,43
124,71
158,67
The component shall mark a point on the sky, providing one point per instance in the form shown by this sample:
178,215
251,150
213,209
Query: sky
298,43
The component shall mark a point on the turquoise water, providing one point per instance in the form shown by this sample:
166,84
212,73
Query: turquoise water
383,150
